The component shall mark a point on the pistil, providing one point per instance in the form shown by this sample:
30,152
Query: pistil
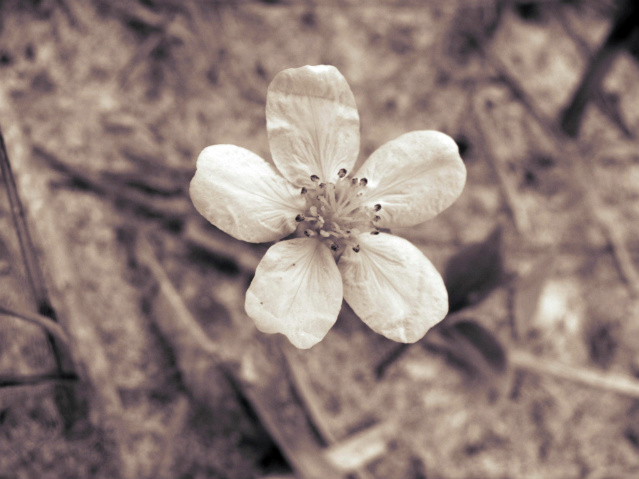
335,213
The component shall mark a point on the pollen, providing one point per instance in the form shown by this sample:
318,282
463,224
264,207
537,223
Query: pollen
335,212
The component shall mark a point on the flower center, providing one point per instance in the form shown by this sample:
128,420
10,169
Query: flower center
334,212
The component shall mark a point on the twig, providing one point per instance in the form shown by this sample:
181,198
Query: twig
245,257
185,326
94,367
269,391
178,417
570,150
171,208
520,216
391,358
612,110
155,185
36,379
143,52
625,25
571,118
354,452
341,454
610,382
131,11
517,90
61,352
611,232
45,323
34,273
301,384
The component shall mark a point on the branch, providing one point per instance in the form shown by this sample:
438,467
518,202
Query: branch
509,192
624,385
160,206
569,149
348,455
34,273
50,326
12,380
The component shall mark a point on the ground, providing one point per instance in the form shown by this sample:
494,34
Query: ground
104,107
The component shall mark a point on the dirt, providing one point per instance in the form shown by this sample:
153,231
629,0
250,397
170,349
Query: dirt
104,108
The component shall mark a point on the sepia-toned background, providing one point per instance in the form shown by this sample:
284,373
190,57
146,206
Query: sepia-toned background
125,351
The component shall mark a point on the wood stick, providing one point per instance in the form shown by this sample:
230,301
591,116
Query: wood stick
624,385
339,453
67,298
569,149
34,273
51,327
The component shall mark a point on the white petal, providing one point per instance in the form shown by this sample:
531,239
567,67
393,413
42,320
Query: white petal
312,123
297,291
243,195
393,287
414,177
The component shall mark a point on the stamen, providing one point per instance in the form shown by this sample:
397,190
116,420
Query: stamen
334,212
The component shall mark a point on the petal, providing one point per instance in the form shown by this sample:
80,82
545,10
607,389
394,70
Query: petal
414,177
312,123
297,291
393,287
243,195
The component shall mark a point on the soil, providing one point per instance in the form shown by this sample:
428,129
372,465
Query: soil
104,107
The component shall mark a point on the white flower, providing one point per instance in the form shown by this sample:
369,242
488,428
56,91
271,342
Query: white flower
313,132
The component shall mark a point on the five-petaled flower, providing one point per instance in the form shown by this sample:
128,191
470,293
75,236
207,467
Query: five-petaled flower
341,249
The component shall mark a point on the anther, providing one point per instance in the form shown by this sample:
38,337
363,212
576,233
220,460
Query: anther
377,218
334,247
314,178
356,248
304,190
299,218
354,181
322,185
363,182
342,173
377,207
309,233
375,232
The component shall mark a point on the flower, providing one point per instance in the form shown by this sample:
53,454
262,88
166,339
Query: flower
341,248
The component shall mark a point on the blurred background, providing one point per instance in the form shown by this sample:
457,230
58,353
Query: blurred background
125,351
